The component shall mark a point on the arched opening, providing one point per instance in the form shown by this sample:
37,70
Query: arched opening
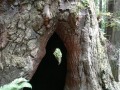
49,75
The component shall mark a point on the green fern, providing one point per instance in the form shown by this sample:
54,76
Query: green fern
17,84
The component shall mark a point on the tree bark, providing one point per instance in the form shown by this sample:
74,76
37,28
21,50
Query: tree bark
28,25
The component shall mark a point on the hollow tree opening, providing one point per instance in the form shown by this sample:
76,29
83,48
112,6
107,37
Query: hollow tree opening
49,75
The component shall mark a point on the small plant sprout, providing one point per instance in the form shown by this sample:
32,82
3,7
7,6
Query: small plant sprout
58,55
17,84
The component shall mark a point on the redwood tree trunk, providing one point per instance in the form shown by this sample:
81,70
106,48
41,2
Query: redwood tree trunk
25,28
72,43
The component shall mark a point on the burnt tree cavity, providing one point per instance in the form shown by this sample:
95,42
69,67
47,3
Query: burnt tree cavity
49,75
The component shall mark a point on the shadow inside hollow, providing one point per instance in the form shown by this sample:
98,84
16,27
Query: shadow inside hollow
50,75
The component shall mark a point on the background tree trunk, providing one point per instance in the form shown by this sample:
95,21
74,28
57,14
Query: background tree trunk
25,28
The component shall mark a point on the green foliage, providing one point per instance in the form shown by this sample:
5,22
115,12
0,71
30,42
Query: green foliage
112,20
17,84
85,3
58,55
107,19
115,20
105,14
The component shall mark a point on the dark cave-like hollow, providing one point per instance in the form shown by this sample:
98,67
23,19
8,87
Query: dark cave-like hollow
49,75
